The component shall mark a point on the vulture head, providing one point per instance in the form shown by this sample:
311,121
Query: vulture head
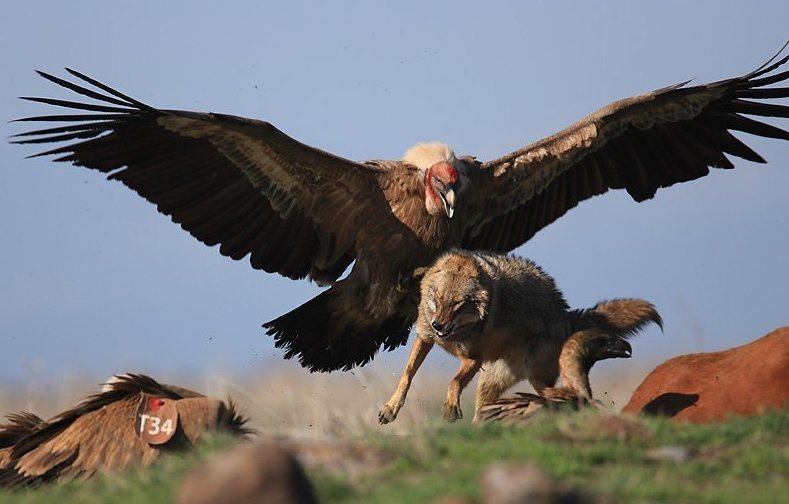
443,180
600,346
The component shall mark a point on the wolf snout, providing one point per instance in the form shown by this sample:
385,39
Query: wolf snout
442,330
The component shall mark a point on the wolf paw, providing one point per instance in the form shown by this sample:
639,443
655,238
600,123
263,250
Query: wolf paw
452,412
386,415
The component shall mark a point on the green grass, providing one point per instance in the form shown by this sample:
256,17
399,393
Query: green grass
741,460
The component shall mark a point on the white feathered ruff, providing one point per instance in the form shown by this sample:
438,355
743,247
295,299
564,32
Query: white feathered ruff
425,155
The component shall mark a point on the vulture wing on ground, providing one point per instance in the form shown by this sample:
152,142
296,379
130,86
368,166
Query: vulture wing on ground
300,211
19,425
102,433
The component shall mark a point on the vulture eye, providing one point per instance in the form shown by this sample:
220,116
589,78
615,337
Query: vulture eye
439,185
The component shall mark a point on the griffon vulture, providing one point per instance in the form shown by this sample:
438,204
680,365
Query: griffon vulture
129,423
248,187
579,353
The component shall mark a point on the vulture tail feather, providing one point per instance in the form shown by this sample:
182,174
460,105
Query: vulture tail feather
315,334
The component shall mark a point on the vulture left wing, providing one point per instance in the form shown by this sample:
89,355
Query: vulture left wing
638,144
227,180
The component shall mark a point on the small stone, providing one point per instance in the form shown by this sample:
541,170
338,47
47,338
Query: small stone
676,454
525,483
250,473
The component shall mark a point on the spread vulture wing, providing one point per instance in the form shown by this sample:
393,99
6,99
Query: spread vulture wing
639,144
227,180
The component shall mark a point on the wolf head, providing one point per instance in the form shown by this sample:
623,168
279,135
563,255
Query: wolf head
454,298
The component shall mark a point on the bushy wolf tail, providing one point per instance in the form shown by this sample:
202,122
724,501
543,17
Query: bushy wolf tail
617,317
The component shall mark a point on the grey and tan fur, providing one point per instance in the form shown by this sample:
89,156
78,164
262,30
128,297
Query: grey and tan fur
505,316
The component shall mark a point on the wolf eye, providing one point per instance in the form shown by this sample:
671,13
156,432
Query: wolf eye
431,304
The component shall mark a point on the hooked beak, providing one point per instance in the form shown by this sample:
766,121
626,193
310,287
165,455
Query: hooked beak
448,198
618,348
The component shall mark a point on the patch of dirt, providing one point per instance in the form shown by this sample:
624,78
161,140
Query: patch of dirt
347,458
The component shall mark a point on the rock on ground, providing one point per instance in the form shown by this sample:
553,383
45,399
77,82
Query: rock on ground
251,473
525,483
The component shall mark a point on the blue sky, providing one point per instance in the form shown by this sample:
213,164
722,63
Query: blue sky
94,281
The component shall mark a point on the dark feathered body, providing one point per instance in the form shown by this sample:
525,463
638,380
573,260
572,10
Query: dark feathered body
376,303
98,435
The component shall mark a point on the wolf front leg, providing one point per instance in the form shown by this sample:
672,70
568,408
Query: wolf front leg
419,351
496,378
468,368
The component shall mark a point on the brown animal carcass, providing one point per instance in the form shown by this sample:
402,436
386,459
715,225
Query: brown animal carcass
708,387
130,423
